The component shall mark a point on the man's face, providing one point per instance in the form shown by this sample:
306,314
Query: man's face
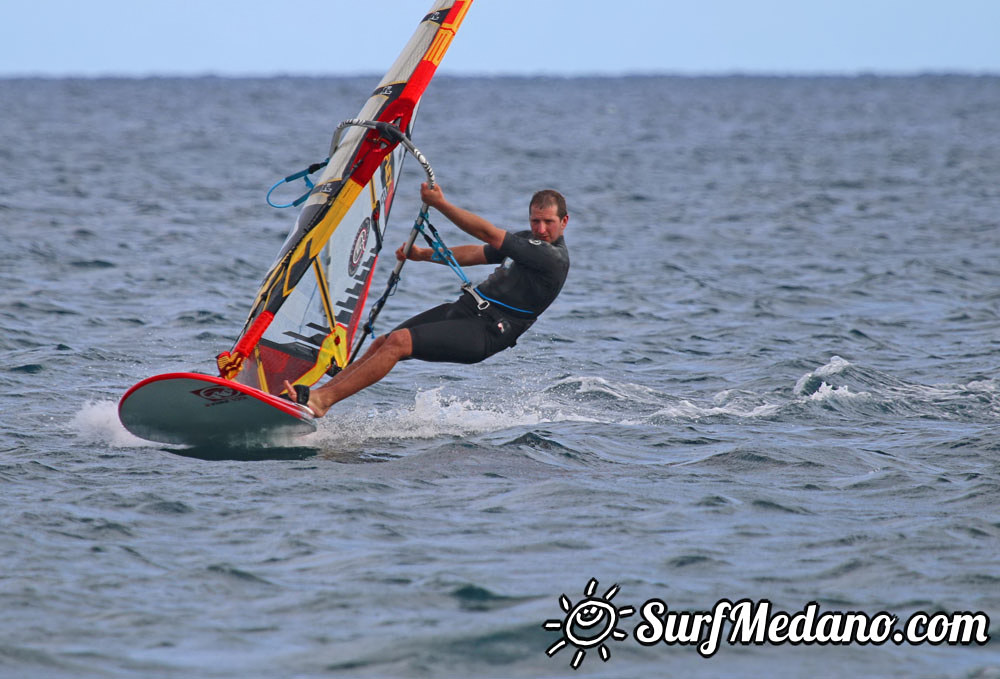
545,223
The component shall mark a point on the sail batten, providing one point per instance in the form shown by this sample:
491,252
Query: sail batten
307,311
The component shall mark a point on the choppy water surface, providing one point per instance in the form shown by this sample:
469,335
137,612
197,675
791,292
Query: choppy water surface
771,374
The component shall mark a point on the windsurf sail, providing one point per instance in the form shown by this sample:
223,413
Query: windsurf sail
303,321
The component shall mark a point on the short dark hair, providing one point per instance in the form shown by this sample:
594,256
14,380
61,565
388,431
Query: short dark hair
547,197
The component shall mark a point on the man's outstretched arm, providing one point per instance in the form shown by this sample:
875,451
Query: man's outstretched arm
471,223
465,255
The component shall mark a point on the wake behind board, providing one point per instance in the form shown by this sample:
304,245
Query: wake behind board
195,409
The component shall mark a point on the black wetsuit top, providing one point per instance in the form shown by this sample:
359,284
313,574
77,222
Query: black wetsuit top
533,273
530,277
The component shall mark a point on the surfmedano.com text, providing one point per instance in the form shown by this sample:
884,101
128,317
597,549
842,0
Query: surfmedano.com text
756,623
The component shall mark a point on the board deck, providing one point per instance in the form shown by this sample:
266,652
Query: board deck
196,409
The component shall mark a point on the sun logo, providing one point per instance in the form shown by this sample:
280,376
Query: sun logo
588,624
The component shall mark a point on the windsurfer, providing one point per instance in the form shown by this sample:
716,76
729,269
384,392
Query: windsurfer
483,320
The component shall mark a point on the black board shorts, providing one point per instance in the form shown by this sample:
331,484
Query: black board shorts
458,332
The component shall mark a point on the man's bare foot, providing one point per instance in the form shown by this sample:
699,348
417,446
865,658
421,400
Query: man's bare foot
311,405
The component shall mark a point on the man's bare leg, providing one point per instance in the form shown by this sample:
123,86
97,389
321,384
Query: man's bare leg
380,358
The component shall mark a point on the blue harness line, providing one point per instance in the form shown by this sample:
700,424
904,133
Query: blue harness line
443,254
304,175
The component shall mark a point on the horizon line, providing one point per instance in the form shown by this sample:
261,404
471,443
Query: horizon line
680,73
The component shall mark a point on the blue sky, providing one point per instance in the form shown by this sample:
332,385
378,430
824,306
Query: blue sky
570,37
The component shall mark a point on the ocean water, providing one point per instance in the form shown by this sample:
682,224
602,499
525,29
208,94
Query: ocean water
772,374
